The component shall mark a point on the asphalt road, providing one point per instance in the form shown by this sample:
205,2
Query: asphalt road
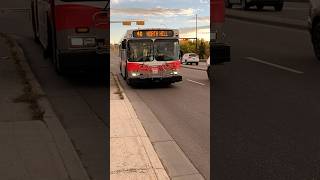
291,10
183,110
265,108
81,101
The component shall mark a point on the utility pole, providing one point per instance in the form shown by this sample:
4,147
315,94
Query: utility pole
196,33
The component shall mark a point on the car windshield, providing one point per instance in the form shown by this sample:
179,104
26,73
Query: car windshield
192,55
140,50
166,49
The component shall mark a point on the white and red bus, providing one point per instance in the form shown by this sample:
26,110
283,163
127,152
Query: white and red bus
75,33
150,55
219,48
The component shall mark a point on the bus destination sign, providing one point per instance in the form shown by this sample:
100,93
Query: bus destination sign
152,33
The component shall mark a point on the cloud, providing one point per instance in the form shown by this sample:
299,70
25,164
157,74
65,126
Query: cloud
186,30
149,1
120,1
158,11
201,19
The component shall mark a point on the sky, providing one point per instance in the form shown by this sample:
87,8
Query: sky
177,14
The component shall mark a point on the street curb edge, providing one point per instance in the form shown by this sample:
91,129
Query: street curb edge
189,67
68,154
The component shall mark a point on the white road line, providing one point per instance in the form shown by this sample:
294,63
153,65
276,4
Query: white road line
274,65
196,82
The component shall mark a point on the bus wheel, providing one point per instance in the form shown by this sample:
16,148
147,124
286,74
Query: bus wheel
316,40
278,7
259,7
48,50
33,14
125,74
58,65
244,5
228,4
126,78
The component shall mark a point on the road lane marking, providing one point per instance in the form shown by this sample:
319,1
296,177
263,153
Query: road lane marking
274,65
196,82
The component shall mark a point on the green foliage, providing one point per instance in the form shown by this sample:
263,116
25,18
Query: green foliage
190,47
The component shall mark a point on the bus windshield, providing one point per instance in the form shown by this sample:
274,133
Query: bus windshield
166,49
80,0
140,50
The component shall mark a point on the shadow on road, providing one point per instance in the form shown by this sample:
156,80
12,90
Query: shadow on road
254,9
89,79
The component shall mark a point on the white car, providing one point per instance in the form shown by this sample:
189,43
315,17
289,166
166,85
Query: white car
190,58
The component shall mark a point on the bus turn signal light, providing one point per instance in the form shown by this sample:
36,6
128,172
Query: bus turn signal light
82,30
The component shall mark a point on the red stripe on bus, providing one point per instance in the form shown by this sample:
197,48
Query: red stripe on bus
171,65
71,16
133,66
217,11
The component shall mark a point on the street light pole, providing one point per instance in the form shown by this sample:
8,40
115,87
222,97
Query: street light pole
196,33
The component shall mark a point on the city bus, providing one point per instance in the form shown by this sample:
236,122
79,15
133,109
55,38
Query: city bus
219,47
74,33
150,55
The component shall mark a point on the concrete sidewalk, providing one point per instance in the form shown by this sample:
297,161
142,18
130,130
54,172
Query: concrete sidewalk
132,155
29,150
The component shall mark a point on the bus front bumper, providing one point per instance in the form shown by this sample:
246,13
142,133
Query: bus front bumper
171,79
84,60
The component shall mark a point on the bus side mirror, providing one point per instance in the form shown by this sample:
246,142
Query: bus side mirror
123,45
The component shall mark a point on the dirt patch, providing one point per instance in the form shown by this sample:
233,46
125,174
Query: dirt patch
29,96
119,92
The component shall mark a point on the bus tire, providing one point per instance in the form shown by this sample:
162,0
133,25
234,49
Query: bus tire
210,73
316,40
59,66
126,78
125,74
244,5
34,28
278,7
228,4
260,7
48,50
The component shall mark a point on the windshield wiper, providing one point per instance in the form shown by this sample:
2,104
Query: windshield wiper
107,6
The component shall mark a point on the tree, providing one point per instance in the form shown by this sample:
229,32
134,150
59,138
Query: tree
189,46
202,49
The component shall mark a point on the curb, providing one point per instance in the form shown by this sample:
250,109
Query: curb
190,67
69,156
275,22
157,165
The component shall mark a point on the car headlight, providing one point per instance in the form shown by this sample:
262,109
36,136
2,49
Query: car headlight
134,74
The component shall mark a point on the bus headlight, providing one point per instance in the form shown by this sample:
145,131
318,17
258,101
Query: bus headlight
76,42
83,42
89,42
